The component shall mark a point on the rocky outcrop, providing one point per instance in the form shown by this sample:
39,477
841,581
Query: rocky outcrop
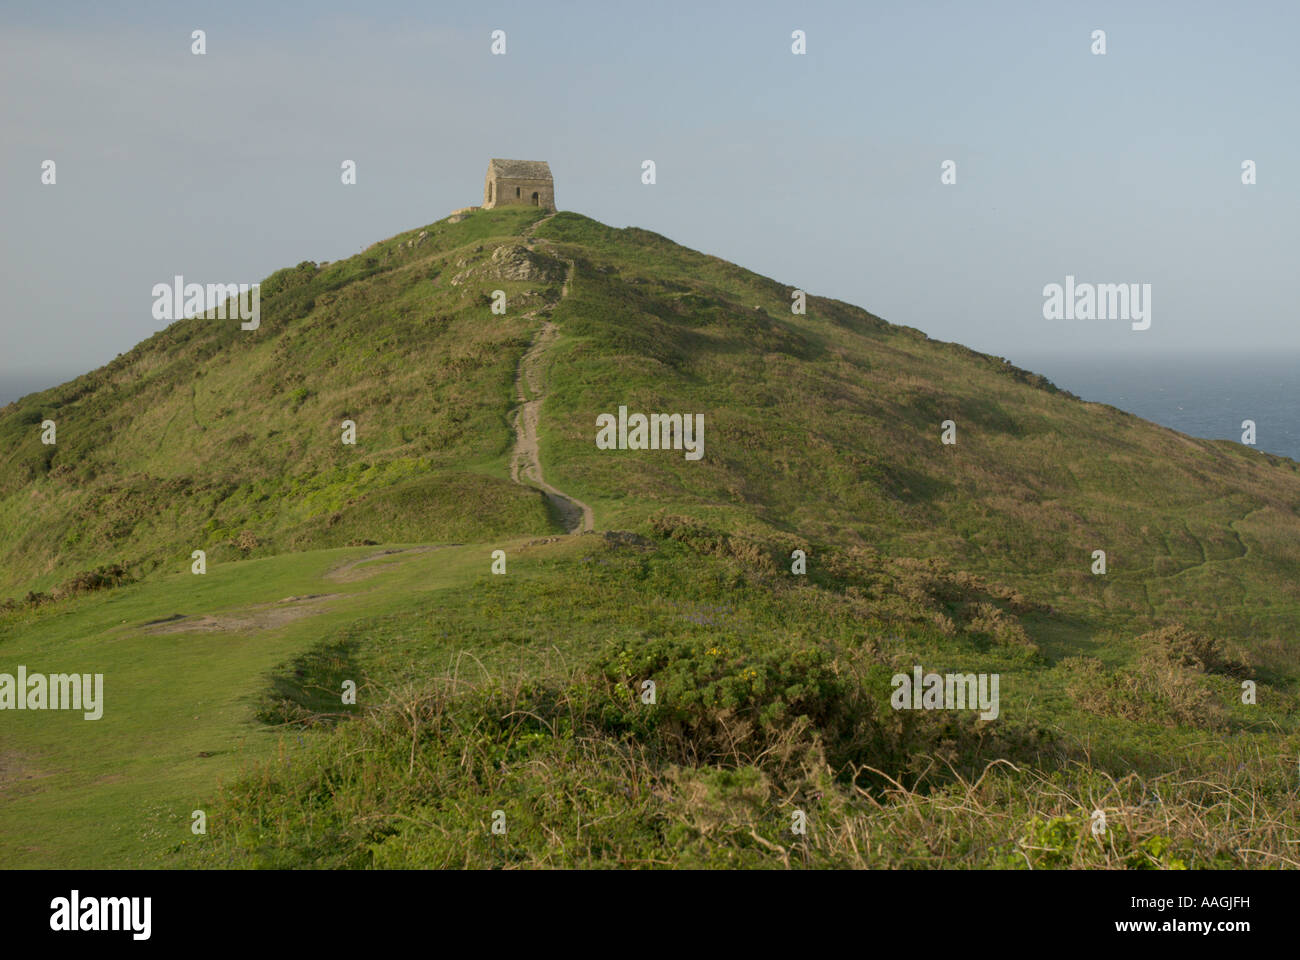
512,261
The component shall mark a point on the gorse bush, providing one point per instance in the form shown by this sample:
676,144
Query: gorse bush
721,699
1179,646
1152,691
105,577
102,578
785,705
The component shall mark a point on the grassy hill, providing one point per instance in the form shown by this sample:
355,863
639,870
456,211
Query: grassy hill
519,693
204,431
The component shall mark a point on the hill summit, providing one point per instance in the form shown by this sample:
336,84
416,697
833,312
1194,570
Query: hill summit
827,425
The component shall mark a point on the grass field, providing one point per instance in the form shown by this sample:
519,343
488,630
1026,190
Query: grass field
179,706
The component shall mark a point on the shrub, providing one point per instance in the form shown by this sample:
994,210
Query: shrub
1177,645
102,578
1152,692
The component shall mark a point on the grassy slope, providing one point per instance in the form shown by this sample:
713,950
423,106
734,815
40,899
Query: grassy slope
828,426
119,791
821,432
204,431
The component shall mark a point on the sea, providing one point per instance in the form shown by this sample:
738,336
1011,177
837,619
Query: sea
15,384
1204,395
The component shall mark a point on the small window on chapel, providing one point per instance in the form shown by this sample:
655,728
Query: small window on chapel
516,193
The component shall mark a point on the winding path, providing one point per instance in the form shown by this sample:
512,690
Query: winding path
525,462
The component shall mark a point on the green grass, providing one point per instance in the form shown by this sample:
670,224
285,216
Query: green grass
202,431
516,692
119,791
522,686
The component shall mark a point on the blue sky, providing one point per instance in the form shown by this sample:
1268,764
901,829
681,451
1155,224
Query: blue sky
822,171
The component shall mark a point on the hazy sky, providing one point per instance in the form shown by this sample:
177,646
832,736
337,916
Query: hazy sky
822,170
